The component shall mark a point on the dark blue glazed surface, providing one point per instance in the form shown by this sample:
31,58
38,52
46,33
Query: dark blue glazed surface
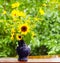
22,50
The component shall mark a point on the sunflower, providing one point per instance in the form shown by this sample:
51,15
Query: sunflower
12,30
24,29
22,14
4,12
41,11
16,4
12,36
14,13
18,37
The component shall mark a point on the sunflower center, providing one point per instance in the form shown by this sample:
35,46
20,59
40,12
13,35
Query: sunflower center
23,28
19,36
14,14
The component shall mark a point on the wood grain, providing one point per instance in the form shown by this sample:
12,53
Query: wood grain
32,59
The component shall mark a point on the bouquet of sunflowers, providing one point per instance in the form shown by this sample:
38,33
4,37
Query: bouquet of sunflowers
20,25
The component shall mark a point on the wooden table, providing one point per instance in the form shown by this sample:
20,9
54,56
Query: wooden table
32,59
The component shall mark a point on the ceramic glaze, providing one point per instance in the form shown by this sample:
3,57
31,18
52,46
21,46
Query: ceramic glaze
22,50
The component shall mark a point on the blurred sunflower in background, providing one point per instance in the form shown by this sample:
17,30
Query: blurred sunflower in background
16,4
14,13
12,30
41,11
4,12
12,36
22,14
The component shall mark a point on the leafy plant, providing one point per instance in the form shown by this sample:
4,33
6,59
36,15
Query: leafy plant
35,21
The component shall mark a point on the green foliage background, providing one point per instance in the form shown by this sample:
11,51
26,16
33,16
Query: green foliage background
47,28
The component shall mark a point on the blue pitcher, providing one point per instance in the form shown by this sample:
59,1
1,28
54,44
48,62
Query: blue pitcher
22,50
